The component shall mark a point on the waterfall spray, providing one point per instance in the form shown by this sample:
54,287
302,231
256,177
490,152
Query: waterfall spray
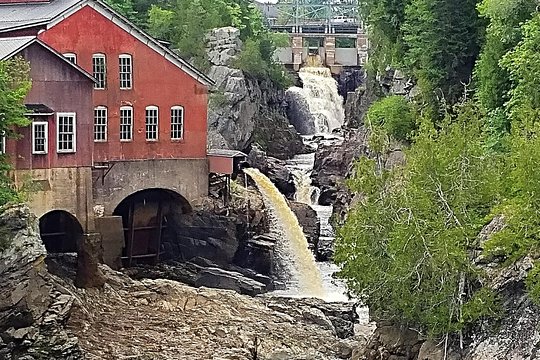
302,265
324,101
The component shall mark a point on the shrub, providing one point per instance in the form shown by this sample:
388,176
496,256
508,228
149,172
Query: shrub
395,114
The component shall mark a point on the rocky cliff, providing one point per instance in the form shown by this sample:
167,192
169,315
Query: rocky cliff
244,110
34,305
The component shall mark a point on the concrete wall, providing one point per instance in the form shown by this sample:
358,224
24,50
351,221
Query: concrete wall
68,189
188,177
347,56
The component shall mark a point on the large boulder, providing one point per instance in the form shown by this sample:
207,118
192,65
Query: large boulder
275,169
33,305
201,234
298,111
307,217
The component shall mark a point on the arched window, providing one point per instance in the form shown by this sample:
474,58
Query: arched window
100,124
152,123
177,122
126,123
99,68
72,58
125,65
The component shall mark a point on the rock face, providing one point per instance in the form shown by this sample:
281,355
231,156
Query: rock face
298,111
244,110
33,306
307,217
275,169
349,80
163,319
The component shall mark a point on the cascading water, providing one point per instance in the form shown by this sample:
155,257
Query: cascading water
301,264
321,94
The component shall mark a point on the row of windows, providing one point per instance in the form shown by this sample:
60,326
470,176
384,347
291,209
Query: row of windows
65,134
126,123
99,69
66,128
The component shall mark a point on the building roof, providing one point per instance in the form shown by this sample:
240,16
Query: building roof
13,45
27,15
38,109
226,153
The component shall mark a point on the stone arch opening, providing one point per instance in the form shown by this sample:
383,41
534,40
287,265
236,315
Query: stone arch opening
60,231
145,218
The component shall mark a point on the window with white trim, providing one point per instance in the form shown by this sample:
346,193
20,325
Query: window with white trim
40,137
65,132
100,124
126,123
3,142
177,123
72,58
126,71
99,68
152,120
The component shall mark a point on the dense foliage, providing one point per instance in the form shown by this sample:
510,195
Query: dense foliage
410,233
185,23
408,245
436,41
14,85
394,115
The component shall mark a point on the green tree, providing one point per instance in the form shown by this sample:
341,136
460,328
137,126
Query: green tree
442,38
14,86
404,247
395,115
523,65
385,19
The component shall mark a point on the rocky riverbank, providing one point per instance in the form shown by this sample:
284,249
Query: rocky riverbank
43,316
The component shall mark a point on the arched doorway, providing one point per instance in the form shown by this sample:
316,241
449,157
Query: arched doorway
60,231
145,216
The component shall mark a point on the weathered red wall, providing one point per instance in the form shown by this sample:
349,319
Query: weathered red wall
64,89
156,81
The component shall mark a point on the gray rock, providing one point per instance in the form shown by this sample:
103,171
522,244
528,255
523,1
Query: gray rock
275,169
223,279
307,217
33,309
298,111
244,110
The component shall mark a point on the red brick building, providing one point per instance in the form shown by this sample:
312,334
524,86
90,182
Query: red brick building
149,107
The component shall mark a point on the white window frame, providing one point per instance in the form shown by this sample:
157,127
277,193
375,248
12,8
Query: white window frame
105,125
74,140
181,123
124,108
147,124
129,74
3,142
71,57
46,142
97,85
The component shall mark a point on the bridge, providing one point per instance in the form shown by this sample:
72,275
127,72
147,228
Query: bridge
329,30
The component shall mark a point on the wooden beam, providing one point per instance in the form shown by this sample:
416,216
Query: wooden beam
131,232
159,228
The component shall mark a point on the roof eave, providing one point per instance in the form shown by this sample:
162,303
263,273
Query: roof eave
181,63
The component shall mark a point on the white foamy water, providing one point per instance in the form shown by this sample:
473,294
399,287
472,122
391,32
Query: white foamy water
321,93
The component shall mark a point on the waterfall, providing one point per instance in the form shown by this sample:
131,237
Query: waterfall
320,92
301,263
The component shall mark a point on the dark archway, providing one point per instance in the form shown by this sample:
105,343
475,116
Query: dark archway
144,216
60,231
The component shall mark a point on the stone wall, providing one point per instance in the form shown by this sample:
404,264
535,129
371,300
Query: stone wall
68,189
187,177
